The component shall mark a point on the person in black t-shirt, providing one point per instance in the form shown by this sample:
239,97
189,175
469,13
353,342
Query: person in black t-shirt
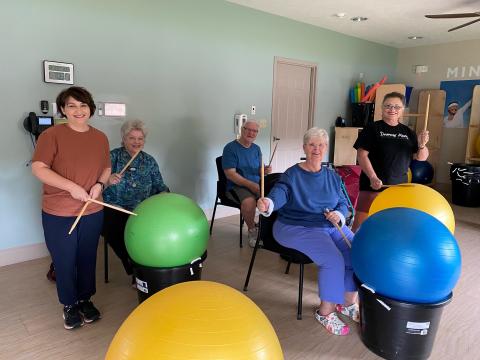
385,149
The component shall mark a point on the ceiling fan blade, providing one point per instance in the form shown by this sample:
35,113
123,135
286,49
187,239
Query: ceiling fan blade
461,26
453,16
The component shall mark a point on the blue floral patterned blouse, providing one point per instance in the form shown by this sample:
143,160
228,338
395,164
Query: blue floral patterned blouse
141,180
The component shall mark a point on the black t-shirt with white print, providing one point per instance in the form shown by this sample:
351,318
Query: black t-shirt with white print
390,150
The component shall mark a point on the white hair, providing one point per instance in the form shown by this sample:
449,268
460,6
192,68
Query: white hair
133,125
315,132
255,122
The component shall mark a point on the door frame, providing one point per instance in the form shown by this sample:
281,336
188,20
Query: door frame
313,89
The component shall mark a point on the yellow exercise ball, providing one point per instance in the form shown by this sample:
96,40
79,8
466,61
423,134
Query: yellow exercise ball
196,320
409,175
415,196
477,145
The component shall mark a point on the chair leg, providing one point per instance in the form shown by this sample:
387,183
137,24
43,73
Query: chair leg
245,286
241,230
300,293
287,270
105,258
213,215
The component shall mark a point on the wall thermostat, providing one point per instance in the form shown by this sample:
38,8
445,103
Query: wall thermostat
58,72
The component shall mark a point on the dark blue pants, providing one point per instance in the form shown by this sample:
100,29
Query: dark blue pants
75,255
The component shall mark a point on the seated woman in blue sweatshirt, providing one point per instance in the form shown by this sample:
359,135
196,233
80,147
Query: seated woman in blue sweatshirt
309,201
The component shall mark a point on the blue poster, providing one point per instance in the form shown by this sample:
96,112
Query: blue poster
458,102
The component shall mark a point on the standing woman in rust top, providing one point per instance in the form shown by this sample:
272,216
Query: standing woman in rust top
72,161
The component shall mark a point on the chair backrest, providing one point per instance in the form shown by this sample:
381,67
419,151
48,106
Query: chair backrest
266,229
222,179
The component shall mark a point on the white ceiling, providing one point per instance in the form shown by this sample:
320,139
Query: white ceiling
389,22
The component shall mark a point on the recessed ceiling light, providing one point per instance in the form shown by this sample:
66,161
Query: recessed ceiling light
340,15
415,37
359,18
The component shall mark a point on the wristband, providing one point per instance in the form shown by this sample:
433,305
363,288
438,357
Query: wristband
102,184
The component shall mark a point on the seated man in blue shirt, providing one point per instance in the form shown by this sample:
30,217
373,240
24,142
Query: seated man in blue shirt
241,163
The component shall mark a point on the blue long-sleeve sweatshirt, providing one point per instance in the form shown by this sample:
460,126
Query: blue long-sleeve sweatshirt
301,197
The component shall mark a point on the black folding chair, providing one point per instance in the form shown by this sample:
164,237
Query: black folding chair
221,198
269,243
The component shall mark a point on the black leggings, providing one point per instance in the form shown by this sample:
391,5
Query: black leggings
113,232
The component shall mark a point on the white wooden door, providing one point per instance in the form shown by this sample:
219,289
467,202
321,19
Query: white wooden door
293,110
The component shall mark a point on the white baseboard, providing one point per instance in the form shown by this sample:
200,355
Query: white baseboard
35,251
22,253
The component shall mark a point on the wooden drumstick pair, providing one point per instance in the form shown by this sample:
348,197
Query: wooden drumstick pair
100,203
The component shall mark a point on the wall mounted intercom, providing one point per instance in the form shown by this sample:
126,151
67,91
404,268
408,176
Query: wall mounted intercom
37,124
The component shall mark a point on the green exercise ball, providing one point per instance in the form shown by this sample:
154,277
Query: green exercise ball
169,230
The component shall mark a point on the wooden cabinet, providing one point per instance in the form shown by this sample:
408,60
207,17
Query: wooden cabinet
435,122
472,156
344,153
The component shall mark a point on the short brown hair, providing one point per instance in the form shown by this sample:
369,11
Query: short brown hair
78,93
394,95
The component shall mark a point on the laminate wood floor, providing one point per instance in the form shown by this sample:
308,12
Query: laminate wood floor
31,325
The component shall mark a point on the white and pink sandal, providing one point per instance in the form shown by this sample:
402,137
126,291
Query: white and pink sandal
332,323
352,311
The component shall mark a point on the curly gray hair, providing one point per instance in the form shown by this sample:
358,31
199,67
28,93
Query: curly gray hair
133,125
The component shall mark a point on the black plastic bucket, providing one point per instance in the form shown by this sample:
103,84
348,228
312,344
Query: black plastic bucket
150,280
465,184
398,330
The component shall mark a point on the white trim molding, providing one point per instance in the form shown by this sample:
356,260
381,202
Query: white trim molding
22,253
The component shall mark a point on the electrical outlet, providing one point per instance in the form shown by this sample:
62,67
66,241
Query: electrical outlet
253,109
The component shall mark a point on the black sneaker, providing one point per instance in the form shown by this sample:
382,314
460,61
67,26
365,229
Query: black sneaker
72,318
89,312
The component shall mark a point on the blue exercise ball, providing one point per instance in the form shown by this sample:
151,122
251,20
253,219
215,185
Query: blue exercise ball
407,255
422,172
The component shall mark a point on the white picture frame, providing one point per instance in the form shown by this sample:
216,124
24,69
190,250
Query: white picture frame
58,72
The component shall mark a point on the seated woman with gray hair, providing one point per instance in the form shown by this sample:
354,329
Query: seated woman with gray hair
310,202
139,181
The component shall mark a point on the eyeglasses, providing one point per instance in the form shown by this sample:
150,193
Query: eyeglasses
251,130
392,107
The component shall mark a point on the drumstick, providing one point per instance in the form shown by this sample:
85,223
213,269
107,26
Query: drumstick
426,113
343,235
273,154
340,230
387,186
262,182
78,217
129,162
112,207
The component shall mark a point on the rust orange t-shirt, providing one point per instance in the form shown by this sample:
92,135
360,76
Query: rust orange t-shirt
80,157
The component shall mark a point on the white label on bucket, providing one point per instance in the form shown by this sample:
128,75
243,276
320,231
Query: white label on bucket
142,285
417,328
418,325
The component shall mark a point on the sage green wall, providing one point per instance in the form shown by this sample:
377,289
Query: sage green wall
439,58
185,67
